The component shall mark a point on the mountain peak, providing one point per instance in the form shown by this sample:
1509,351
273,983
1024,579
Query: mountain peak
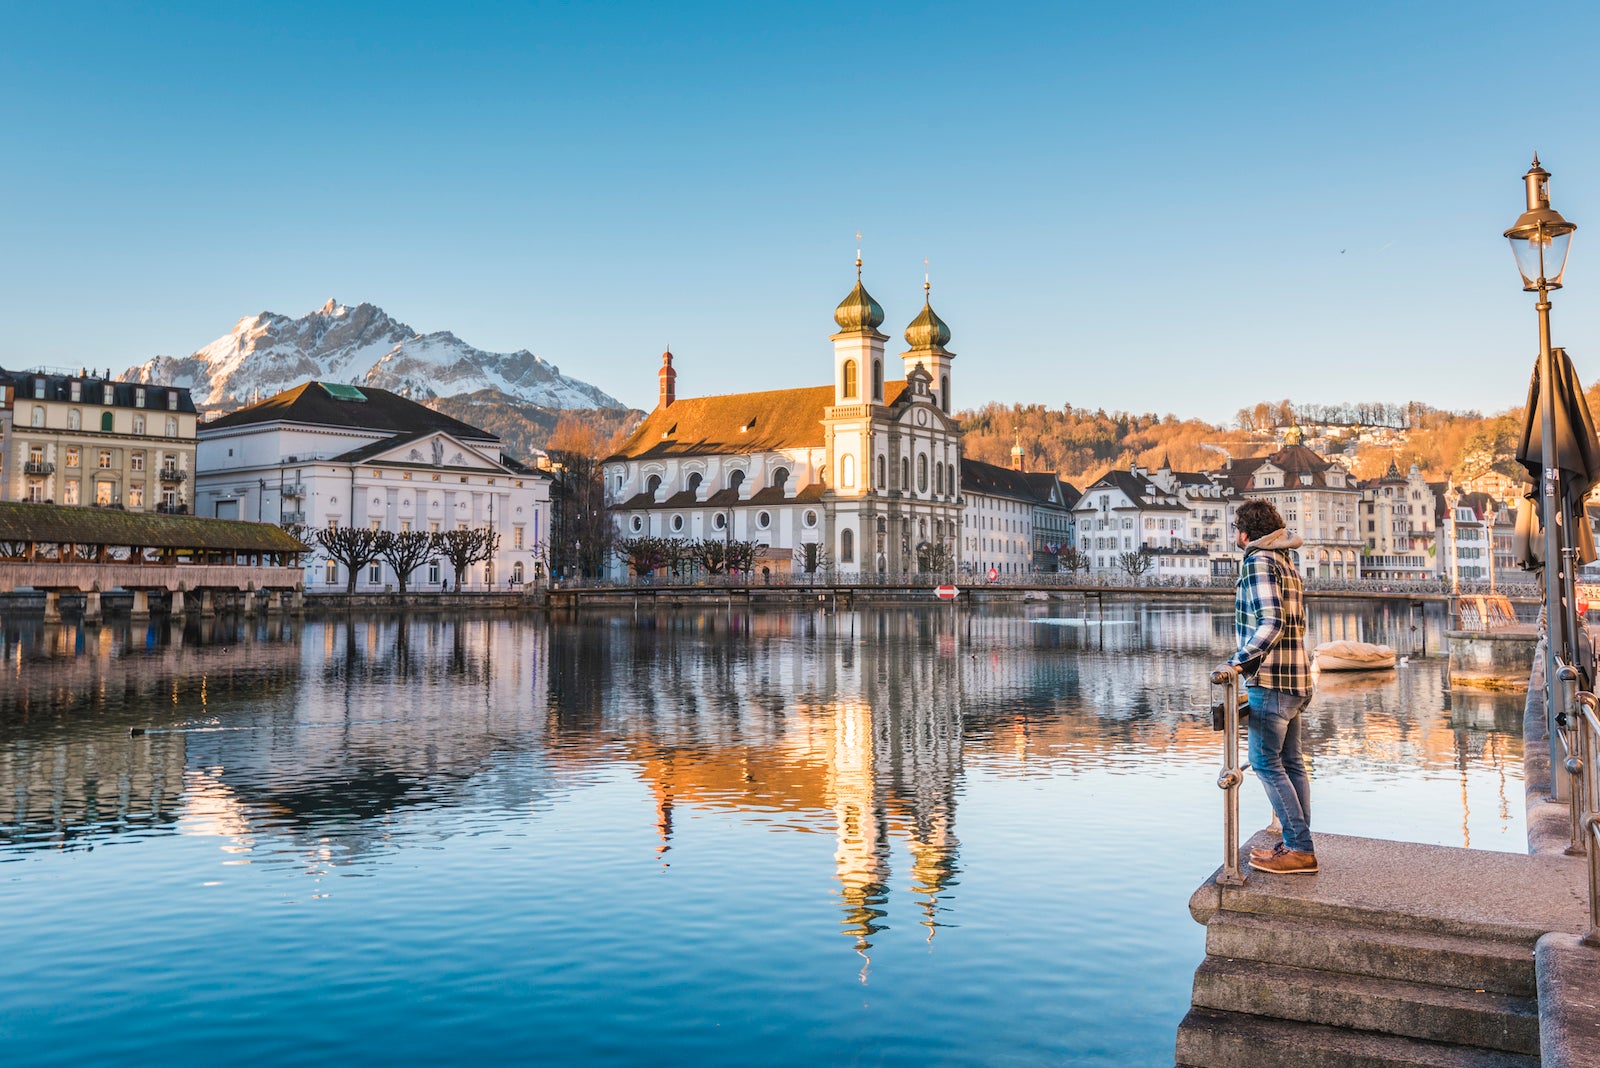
362,345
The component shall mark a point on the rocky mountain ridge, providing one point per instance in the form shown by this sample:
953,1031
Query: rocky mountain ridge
364,346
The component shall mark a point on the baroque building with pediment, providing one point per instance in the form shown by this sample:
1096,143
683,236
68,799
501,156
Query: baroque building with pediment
329,455
863,475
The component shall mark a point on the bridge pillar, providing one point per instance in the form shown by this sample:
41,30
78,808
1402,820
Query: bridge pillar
52,606
177,602
141,605
297,601
91,607
208,606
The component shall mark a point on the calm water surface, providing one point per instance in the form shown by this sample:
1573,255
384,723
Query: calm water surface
880,837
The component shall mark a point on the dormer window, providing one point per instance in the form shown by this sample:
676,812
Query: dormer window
172,400
138,397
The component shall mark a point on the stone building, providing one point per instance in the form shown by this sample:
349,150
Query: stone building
85,439
1398,526
1318,500
863,474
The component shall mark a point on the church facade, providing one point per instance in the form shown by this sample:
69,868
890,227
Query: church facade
861,477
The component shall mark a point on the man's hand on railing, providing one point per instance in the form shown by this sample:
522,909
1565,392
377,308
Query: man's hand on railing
1223,673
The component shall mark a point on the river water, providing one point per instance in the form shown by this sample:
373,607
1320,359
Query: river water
880,837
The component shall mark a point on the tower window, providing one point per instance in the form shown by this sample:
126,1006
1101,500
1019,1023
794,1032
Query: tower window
850,378
877,381
847,546
847,471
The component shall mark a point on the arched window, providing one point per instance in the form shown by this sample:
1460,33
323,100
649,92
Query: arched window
652,484
780,477
950,479
883,474
74,419
905,474
847,546
944,393
736,480
172,425
105,424
877,381
938,477
850,378
38,415
694,482
847,471
922,473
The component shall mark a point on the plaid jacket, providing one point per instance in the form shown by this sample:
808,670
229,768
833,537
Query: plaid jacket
1269,618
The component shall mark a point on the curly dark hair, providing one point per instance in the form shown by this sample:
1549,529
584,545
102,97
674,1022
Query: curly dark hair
1257,518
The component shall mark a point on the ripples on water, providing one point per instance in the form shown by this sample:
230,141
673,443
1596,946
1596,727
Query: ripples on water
875,837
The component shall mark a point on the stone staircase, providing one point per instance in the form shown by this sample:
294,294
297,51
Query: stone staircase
1396,954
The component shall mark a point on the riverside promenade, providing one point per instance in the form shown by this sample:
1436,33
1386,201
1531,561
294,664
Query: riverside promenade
1404,954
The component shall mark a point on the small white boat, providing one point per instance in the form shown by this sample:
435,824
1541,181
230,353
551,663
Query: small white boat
1353,656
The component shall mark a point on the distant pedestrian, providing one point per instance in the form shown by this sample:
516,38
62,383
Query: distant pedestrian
1270,624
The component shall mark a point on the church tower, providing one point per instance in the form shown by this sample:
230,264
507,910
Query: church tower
928,335
858,347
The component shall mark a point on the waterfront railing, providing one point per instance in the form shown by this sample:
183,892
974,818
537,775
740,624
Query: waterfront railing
1228,679
1581,735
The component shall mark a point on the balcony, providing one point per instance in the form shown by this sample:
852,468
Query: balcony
292,489
293,519
172,509
173,474
38,467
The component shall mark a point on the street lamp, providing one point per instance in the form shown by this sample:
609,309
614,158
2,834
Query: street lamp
1540,240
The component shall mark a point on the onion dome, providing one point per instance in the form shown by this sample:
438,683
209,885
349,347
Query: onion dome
927,331
858,311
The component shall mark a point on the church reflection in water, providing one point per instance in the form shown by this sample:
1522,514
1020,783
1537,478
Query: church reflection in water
314,744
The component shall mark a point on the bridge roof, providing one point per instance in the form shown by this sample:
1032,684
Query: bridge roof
62,524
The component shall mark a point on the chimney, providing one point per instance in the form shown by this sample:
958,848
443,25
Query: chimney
669,381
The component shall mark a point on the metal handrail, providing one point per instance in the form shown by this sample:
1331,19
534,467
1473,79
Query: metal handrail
1566,733
1230,776
1586,785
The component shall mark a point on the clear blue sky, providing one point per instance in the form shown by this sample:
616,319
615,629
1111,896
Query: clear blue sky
1158,207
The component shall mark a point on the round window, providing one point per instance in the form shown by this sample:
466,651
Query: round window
811,518
763,520
677,522
719,521
638,524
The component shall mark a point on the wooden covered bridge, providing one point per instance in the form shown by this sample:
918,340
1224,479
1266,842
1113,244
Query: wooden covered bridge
56,549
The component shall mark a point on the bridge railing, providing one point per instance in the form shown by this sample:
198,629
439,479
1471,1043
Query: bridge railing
1583,728
1231,775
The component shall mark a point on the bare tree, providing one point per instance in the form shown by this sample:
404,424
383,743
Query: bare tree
1137,562
404,552
353,547
582,535
742,556
1074,559
710,554
645,554
811,558
467,546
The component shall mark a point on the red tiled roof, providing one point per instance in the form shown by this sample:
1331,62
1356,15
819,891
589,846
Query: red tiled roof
737,423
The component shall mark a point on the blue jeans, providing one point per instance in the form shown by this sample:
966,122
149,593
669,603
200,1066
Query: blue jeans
1275,756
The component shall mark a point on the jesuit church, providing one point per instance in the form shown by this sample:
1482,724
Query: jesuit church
866,469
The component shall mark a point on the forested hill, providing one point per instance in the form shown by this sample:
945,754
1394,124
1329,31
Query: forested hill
1080,444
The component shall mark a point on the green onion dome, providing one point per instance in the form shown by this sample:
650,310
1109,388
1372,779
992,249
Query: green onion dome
927,331
858,311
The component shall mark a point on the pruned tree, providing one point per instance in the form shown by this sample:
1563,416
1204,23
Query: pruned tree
811,558
742,555
1137,562
467,546
404,551
352,547
1073,559
646,554
710,554
582,535
936,557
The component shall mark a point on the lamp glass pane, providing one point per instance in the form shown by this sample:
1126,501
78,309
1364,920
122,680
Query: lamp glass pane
1541,256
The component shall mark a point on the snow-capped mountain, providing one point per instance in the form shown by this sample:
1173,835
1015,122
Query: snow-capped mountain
268,353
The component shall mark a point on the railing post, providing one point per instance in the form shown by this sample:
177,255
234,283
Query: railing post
1572,741
1230,777
1586,782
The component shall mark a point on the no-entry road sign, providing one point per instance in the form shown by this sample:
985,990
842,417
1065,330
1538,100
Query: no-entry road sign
946,593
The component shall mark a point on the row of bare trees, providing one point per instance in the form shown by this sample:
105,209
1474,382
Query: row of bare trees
405,550
647,554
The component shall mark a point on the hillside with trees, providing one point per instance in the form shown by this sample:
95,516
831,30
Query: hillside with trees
1081,444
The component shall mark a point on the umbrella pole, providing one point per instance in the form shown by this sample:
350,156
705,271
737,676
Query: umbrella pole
1555,612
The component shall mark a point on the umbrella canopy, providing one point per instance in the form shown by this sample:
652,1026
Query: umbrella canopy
1577,452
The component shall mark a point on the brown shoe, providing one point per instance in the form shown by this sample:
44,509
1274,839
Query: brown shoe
1289,862
1263,854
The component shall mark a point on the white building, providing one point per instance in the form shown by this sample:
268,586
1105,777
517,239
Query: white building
865,470
1125,511
997,520
326,455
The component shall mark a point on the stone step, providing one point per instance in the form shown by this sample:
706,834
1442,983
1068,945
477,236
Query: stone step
1387,1006
1211,1039
1410,956
1503,897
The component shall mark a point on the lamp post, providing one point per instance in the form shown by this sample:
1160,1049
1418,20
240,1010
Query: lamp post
1540,240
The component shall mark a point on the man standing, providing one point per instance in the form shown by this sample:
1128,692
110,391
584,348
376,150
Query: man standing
1270,622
